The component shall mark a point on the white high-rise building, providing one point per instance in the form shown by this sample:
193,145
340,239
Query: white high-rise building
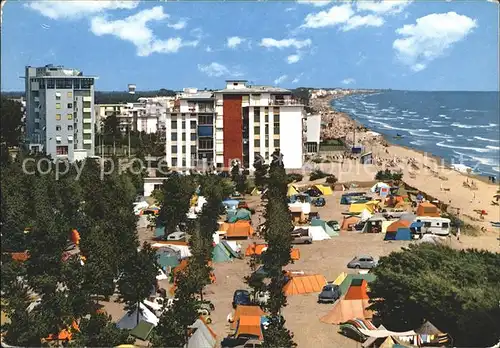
60,118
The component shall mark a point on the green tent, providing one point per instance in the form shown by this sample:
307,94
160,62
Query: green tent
165,260
142,330
344,286
159,231
241,214
322,223
220,254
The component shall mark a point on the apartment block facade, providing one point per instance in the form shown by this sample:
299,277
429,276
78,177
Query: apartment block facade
60,116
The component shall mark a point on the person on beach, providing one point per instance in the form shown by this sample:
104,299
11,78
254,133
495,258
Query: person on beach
458,234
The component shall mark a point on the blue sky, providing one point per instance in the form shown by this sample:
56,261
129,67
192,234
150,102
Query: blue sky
369,44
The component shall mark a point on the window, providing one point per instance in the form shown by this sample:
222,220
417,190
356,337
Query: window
173,137
266,144
276,111
235,83
86,83
174,162
70,117
183,136
68,84
183,162
58,128
256,143
61,150
276,128
70,94
51,83
58,117
87,136
193,149
58,97
76,83
205,119
276,143
183,149
173,124
445,225
70,127
58,105
174,148
276,118
266,117
427,224
183,124
192,124
86,104
70,106
193,136
256,130
256,114
59,83
266,130
206,144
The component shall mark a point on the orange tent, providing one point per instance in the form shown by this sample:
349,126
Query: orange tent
249,325
428,209
298,285
357,290
171,242
348,222
238,229
344,310
398,224
21,257
64,335
75,237
258,249
245,311
182,267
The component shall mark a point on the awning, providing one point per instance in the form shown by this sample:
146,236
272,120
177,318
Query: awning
58,139
70,138
385,333
58,94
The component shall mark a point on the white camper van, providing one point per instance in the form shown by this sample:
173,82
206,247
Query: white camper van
435,225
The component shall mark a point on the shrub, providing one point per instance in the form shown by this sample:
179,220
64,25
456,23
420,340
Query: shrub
317,160
386,175
317,174
294,177
331,179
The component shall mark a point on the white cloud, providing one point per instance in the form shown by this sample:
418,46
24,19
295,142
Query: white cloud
285,43
135,30
383,7
77,9
280,79
431,37
334,16
181,24
208,49
363,21
294,58
215,69
297,79
316,3
234,41
348,81
288,9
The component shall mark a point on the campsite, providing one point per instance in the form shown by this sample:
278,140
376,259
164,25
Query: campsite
325,260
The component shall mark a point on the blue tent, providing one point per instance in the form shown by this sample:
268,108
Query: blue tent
390,236
159,231
220,254
416,227
241,214
231,203
403,234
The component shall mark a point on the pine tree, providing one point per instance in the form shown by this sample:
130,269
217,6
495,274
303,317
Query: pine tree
138,277
260,173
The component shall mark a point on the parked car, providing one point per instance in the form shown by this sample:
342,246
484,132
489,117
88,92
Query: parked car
177,236
319,202
393,213
362,262
301,237
241,297
253,343
329,294
313,193
334,224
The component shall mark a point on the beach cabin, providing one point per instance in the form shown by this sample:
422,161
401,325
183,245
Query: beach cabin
366,158
435,225
428,209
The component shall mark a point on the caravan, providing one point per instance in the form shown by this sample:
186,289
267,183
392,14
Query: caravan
435,225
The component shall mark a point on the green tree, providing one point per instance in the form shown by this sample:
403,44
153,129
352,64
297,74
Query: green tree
177,193
279,241
260,173
138,277
97,330
11,118
453,289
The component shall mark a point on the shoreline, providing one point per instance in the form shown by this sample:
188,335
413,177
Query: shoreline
429,173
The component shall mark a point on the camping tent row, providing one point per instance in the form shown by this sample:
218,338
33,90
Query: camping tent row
258,249
238,229
318,230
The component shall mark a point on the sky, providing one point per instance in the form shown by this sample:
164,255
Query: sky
431,45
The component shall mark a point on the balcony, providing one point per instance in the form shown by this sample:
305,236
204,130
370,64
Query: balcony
87,130
87,99
37,99
37,120
285,102
37,110
87,109
87,141
87,120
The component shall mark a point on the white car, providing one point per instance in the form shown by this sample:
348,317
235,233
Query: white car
177,236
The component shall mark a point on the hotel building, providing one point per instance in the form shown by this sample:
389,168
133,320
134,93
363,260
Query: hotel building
60,112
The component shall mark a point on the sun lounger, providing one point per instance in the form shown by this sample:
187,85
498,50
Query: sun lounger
443,177
494,203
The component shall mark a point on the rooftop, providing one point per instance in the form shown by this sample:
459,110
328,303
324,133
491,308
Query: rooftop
197,95
256,89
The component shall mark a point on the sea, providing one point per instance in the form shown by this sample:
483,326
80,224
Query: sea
460,127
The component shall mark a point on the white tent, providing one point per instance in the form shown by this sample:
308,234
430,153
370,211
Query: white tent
183,250
316,232
304,207
161,275
199,204
201,338
378,186
129,320
365,215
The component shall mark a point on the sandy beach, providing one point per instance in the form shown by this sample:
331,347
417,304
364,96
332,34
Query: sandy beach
420,170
